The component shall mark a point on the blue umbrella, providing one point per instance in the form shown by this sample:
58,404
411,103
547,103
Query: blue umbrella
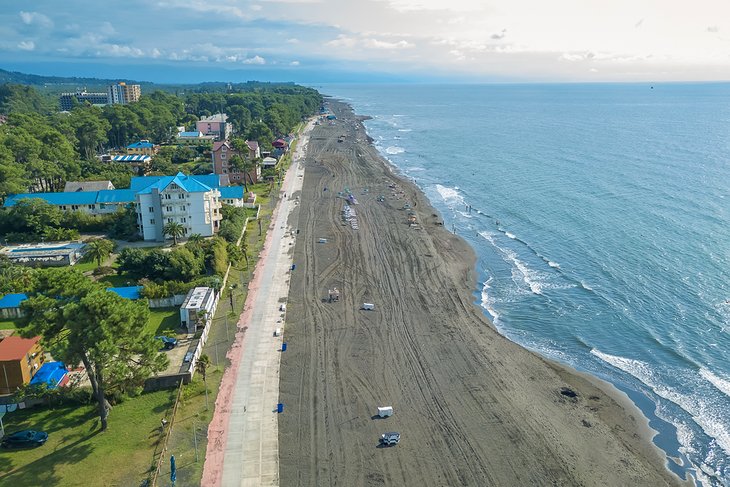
173,469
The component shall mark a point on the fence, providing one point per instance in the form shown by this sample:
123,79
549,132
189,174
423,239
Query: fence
168,302
156,474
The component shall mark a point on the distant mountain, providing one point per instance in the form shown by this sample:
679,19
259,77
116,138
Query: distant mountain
61,82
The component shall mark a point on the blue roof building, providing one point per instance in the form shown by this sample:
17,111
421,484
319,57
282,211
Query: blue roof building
12,300
142,144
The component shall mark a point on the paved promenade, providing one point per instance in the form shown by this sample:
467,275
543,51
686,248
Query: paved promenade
244,434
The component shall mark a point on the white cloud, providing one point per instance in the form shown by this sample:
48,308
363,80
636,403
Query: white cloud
254,60
378,44
342,41
26,45
294,63
293,40
35,18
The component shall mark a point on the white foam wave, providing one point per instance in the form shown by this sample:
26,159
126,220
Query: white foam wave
721,384
510,235
586,286
394,149
554,265
708,416
415,168
404,130
488,301
520,271
450,195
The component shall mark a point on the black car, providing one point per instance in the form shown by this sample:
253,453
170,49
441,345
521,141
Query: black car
25,438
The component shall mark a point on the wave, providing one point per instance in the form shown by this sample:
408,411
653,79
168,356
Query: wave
450,195
711,418
405,130
723,385
394,149
415,168
510,235
488,302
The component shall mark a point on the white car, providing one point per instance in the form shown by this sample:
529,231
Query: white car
389,439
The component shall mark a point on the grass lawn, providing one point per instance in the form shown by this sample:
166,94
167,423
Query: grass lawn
85,266
122,280
77,453
163,319
7,325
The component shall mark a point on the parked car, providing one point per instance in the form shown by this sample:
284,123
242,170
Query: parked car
167,342
25,438
389,439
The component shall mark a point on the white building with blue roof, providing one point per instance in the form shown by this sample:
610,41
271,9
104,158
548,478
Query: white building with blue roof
193,201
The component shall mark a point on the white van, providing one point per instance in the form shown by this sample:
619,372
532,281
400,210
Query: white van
368,306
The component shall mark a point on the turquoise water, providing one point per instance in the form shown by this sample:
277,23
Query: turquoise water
601,220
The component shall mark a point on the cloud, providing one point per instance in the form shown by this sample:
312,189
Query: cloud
294,63
254,60
638,24
26,45
35,18
713,29
499,35
378,44
342,41
292,40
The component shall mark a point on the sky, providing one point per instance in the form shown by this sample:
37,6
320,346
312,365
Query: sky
314,41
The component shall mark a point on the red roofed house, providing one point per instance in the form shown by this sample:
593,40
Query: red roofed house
20,359
222,152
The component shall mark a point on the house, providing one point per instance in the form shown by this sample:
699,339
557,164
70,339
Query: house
20,359
142,148
193,201
10,305
216,125
254,151
75,186
222,153
233,196
194,138
138,161
198,308
47,255
268,163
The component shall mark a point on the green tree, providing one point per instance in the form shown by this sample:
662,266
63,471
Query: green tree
201,366
90,129
174,230
84,323
98,250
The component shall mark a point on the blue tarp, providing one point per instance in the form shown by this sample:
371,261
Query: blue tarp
12,300
51,373
129,292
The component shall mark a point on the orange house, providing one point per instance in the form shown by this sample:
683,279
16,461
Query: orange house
20,359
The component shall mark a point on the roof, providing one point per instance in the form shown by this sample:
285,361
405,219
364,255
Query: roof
190,134
268,161
231,192
116,196
127,292
50,373
279,143
142,144
12,300
75,186
187,183
218,117
15,347
136,158
252,144
78,198
217,145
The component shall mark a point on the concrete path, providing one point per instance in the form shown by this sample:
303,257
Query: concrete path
251,453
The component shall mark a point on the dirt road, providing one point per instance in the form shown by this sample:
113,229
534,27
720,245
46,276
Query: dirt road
472,407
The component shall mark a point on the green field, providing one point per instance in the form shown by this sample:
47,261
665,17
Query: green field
163,319
7,325
77,453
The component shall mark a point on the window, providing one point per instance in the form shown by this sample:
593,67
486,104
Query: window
181,196
152,210
92,207
168,196
169,208
184,220
152,221
169,220
223,155
74,207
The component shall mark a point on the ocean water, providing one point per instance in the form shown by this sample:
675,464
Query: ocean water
600,215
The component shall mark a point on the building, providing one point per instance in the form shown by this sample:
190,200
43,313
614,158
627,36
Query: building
233,195
194,138
76,186
45,255
10,306
123,94
141,163
20,359
198,308
193,201
216,125
178,199
254,151
222,153
268,163
66,100
142,148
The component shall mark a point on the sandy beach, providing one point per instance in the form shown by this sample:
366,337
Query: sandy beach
472,407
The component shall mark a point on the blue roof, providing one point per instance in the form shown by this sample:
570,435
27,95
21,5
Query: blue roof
212,180
75,198
51,373
116,196
190,134
12,300
128,292
230,192
187,183
141,145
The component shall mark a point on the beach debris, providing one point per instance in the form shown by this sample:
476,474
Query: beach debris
349,216
385,411
277,332
334,295
322,240
368,306
568,392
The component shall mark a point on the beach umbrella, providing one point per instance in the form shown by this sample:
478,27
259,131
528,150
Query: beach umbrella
173,469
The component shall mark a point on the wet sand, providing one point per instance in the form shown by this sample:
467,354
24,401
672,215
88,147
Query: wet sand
472,407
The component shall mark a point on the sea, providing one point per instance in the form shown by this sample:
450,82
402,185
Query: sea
600,216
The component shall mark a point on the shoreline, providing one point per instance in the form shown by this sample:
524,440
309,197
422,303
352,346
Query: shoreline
537,422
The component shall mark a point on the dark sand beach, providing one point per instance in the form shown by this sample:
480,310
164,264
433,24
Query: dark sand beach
472,407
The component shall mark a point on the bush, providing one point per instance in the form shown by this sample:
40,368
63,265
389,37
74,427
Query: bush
103,271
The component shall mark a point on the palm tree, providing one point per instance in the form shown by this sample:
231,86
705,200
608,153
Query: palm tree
195,238
174,230
99,250
200,366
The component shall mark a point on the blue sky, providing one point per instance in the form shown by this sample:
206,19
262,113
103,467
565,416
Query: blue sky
315,41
